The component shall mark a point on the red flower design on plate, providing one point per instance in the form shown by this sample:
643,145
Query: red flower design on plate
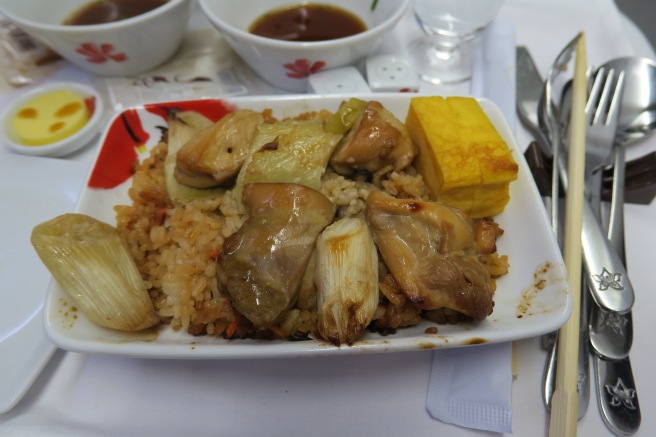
98,54
301,68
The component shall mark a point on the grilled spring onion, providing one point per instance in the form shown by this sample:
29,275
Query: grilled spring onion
288,151
345,117
347,280
92,263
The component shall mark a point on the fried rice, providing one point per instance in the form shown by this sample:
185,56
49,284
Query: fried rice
176,247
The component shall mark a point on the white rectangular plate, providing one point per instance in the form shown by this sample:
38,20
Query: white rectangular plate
532,299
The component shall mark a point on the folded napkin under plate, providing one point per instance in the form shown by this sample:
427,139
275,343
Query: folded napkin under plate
472,386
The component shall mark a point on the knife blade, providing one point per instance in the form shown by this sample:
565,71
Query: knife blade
529,91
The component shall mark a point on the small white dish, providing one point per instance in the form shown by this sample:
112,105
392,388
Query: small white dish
33,190
532,299
65,146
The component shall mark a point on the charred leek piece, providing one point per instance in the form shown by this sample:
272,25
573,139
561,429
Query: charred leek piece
346,116
347,280
182,127
92,263
290,151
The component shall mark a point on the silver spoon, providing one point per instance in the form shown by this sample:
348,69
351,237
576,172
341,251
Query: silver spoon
638,115
616,389
611,334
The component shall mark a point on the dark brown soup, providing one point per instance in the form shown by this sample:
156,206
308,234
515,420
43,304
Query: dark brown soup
311,22
107,11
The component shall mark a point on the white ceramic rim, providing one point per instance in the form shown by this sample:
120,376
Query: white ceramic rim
91,27
62,147
392,19
549,308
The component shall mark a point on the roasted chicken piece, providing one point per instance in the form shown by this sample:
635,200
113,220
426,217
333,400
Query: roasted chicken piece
215,156
183,126
263,264
430,251
486,232
376,140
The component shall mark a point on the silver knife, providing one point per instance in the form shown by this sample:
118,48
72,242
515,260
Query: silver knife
529,91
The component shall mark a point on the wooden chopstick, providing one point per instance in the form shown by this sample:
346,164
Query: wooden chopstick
564,406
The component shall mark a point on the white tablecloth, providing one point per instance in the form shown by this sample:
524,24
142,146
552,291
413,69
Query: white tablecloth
353,395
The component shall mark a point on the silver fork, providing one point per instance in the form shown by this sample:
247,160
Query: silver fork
599,255
602,116
602,109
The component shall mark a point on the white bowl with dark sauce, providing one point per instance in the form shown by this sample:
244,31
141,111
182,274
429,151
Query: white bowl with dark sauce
287,63
118,44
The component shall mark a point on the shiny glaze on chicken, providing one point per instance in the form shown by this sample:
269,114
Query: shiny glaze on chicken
431,251
263,263
376,140
215,156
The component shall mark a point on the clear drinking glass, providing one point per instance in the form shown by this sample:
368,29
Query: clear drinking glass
451,26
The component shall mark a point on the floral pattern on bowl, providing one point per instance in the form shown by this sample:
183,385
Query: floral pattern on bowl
301,68
100,53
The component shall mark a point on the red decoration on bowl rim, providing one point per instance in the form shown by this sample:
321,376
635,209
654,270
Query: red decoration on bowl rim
302,68
100,53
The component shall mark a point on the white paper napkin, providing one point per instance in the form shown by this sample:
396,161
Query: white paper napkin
472,386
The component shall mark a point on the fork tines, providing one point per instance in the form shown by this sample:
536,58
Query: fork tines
603,84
